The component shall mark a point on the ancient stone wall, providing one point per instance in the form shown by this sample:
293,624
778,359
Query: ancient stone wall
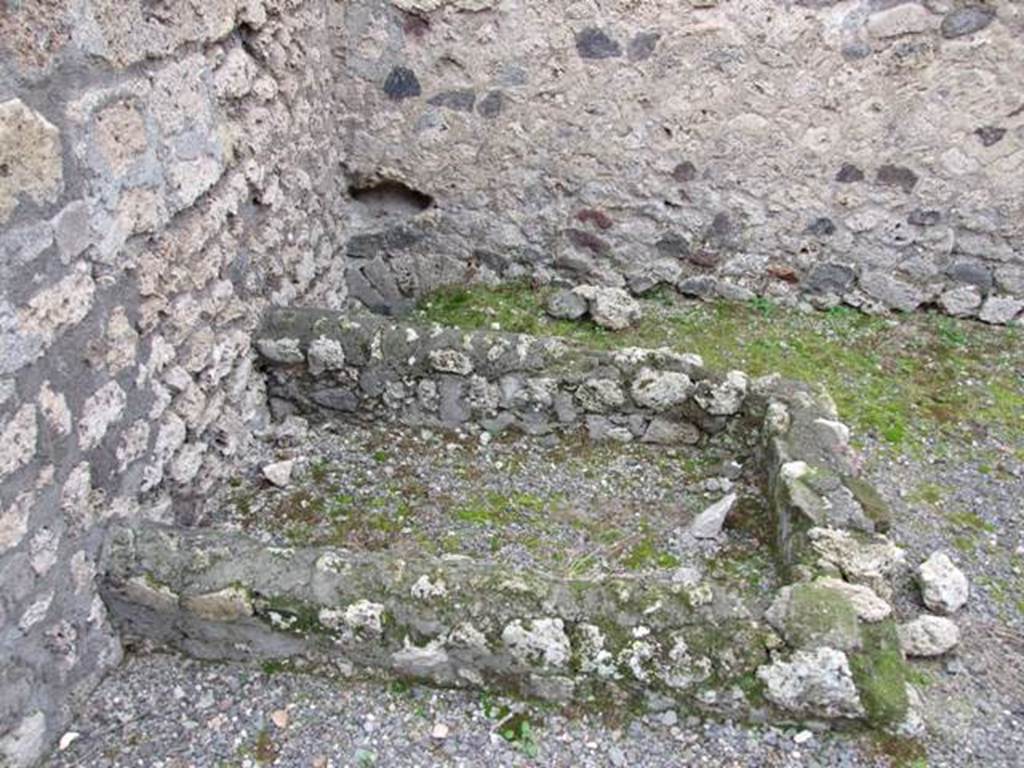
170,168
165,173
865,151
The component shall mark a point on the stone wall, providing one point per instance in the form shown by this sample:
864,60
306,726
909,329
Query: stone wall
334,367
170,168
865,151
327,365
165,173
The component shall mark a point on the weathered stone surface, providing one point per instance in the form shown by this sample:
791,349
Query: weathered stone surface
928,636
725,398
944,587
566,305
901,19
541,640
665,431
280,472
708,524
660,390
961,302
611,308
594,43
815,683
861,560
1000,310
892,291
869,606
600,395
809,615
966,21
101,410
30,157
18,440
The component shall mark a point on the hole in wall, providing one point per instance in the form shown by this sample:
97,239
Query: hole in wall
389,198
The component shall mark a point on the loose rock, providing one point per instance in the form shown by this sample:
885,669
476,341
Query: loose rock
944,587
708,524
280,473
928,636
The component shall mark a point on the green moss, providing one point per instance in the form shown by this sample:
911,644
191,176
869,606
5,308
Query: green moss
871,501
292,615
927,493
971,522
881,674
819,615
646,554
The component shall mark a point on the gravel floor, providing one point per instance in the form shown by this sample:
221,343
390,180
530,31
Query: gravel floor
160,710
566,506
165,712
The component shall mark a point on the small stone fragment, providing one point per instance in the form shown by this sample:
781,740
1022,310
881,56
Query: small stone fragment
402,83
440,731
280,473
708,524
944,587
611,308
928,636
594,43
966,21
280,718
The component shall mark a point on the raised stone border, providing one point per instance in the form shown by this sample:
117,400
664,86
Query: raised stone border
826,650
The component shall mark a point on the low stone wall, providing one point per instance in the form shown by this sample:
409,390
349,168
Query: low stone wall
449,621
331,366
826,648
328,365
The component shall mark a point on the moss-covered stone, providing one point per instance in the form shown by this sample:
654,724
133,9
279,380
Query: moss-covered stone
871,501
809,615
880,674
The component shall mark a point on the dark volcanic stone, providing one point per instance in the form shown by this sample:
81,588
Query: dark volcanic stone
587,241
698,286
460,100
830,278
921,217
673,246
972,273
642,46
684,172
593,43
492,104
897,176
369,245
402,84
849,173
989,135
966,21
822,227
566,305
599,219
704,258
